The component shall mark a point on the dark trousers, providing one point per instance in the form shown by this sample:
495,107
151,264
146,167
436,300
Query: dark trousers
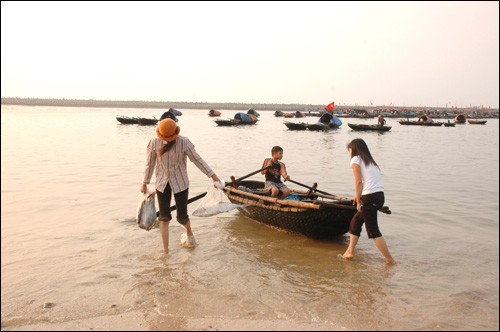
181,199
368,215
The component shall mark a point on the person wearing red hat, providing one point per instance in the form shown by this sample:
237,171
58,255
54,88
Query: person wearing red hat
167,154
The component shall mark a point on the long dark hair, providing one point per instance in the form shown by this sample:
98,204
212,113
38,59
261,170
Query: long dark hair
359,148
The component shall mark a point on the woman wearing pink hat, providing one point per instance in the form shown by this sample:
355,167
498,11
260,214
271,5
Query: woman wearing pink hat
167,154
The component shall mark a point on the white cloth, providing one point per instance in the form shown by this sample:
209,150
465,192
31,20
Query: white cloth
372,181
214,202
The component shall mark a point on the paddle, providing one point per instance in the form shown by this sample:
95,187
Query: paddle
383,209
313,188
232,183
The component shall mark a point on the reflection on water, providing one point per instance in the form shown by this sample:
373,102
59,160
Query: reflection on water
70,182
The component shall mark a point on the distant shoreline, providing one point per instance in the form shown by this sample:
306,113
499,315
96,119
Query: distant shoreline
219,106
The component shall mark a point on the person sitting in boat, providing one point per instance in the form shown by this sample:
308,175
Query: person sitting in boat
381,121
274,172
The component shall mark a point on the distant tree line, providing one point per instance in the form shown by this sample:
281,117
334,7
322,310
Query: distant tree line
153,104
232,106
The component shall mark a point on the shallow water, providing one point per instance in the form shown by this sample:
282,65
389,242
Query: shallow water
70,184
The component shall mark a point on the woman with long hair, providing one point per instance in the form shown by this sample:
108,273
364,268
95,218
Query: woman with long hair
368,199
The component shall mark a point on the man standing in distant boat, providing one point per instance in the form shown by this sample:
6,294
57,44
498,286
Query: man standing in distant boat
381,121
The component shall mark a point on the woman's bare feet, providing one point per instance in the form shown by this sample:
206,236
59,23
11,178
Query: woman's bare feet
347,255
390,261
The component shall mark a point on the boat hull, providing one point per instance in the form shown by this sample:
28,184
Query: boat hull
233,122
314,220
320,126
295,126
477,122
147,122
127,120
368,127
421,123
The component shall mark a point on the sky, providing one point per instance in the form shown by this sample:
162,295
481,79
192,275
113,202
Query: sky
441,54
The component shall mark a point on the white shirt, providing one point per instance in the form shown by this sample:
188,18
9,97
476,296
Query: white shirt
372,181
172,166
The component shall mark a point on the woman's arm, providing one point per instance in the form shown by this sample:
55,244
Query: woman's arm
150,166
358,183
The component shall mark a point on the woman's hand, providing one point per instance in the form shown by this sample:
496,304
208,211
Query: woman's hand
217,182
144,188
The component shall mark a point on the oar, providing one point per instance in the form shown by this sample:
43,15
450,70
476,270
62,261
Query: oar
233,182
191,200
384,209
310,188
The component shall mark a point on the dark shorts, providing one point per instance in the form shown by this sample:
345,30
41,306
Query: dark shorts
368,215
270,184
181,203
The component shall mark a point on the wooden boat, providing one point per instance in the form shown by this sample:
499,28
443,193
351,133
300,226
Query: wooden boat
127,120
312,214
449,124
288,115
299,114
420,123
295,125
326,122
214,113
474,121
311,126
322,126
278,113
239,119
354,126
147,122
460,118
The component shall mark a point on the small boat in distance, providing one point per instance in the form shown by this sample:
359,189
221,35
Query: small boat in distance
214,113
420,123
127,120
239,119
374,127
295,125
475,121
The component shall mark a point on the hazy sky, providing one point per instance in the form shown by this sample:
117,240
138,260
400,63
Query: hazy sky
404,53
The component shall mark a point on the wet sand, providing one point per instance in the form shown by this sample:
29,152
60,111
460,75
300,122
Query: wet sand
135,321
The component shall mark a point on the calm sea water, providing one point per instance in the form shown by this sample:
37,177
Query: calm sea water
70,183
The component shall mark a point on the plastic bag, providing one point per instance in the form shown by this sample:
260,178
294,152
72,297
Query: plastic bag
213,203
146,210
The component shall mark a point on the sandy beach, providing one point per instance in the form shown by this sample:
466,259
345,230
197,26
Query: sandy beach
135,321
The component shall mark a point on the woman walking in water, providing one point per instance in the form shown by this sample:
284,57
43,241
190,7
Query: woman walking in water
368,199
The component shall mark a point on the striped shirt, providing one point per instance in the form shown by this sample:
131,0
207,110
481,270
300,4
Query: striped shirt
172,166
